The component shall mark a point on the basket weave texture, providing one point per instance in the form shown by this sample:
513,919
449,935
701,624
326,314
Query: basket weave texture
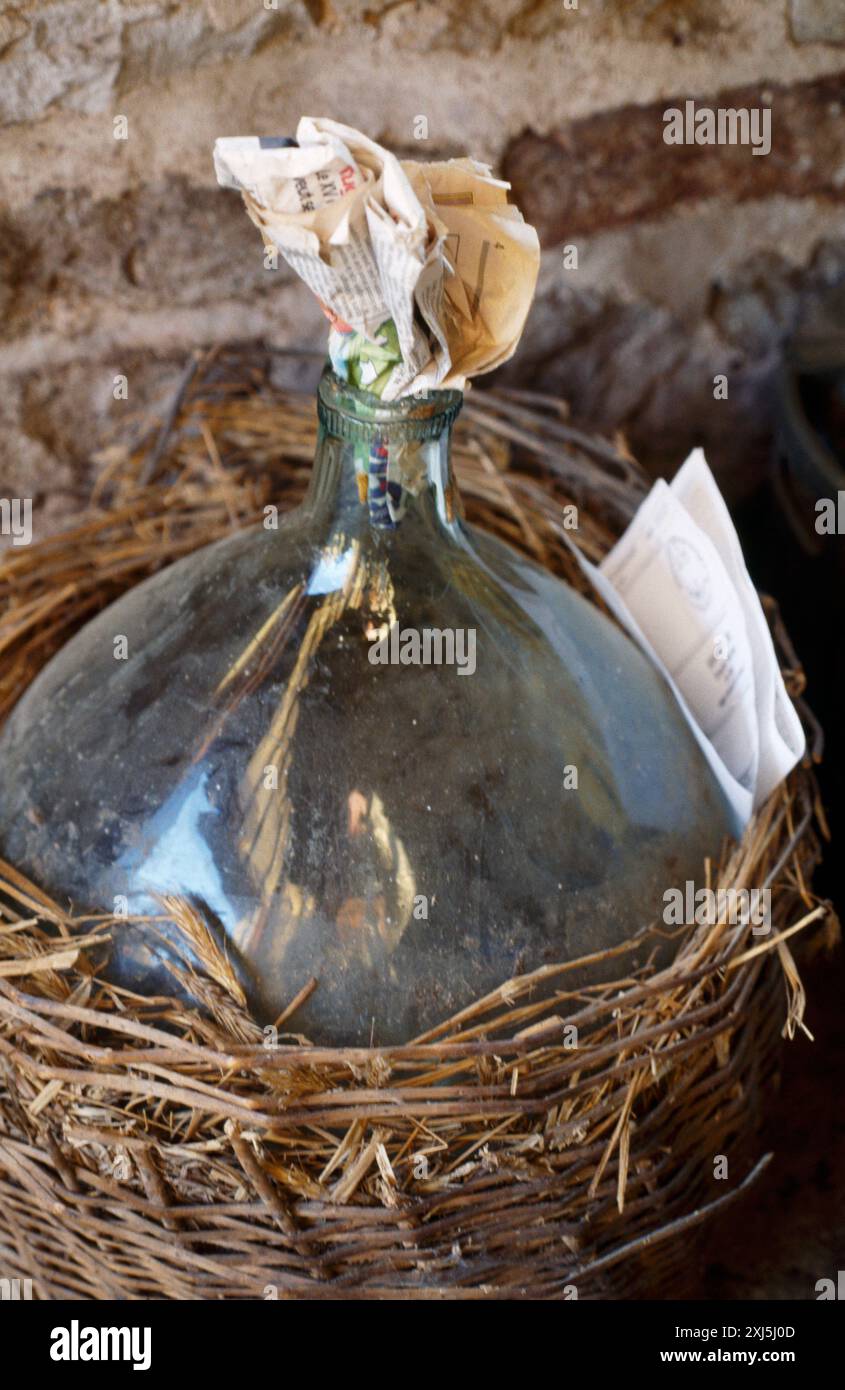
150,1150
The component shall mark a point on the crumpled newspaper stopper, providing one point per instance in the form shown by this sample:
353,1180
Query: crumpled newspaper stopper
425,271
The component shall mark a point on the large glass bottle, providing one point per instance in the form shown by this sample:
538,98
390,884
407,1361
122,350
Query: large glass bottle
372,746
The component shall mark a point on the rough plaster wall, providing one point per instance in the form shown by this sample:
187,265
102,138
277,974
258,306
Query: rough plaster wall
118,255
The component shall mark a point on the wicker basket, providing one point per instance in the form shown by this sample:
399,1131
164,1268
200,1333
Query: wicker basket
152,1151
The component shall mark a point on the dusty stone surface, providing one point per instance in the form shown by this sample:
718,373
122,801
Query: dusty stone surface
528,65
693,262
79,56
616,169
121,255
817,21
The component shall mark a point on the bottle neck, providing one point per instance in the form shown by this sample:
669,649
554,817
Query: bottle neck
383,469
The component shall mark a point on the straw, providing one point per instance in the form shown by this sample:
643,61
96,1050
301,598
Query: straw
153,1150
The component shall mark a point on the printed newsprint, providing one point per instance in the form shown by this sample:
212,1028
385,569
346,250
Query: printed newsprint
424,270
677,581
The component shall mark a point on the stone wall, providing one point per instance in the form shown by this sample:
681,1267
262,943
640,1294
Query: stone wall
118,255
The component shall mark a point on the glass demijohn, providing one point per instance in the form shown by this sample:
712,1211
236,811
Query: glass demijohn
349,743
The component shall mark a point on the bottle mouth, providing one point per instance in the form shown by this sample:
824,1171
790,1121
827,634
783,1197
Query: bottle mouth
349,412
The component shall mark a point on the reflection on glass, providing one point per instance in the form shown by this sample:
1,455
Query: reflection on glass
403,830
